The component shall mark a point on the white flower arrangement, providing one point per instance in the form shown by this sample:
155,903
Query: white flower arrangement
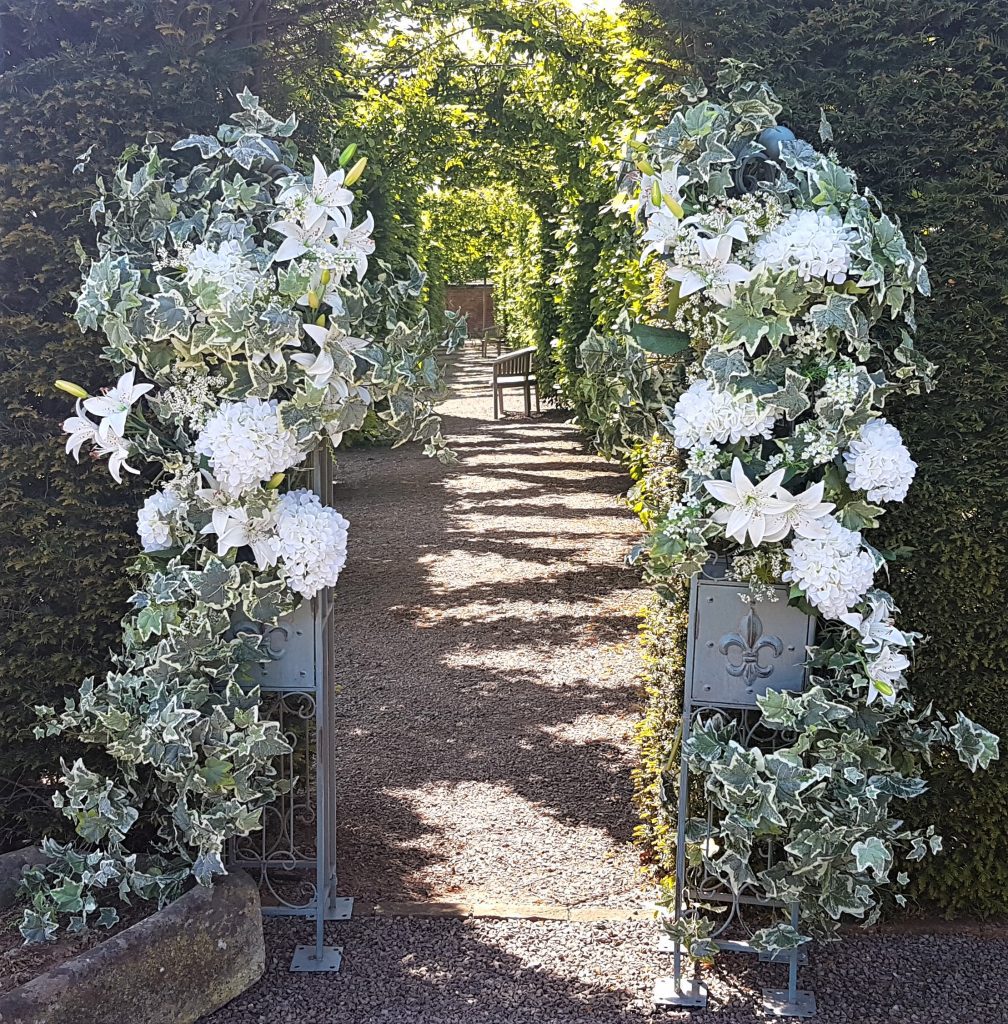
257,344
879,463
779,278
705,414
246,445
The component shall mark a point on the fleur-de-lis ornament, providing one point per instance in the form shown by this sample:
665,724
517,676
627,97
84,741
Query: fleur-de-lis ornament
750,641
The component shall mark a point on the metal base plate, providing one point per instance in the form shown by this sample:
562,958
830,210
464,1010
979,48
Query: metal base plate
340,908
777,1004
689,994
304,959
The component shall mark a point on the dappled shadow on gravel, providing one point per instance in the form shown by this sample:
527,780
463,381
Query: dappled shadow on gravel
437,971
485,646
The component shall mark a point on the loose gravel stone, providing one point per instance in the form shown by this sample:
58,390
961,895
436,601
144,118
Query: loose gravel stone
486,650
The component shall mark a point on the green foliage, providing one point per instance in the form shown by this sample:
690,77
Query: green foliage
258,353
469,234
522,101
916,94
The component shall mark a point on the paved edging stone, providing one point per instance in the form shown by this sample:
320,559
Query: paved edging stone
177,965
502,911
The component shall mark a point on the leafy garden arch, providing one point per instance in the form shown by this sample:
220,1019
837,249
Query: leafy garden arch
233,282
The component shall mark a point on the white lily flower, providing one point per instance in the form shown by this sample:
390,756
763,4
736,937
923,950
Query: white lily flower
884,670
663,229
807,517
236,529
715,273
118,452
751,509
301,238
114,405
319,366
354,245
876,628
328,196
80,429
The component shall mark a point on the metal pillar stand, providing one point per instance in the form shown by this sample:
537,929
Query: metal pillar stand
293,856
734,653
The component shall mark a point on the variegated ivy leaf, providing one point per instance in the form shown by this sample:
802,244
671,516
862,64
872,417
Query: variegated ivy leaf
792,399
215,584
779,938
838,897
207,144
974,744
836,313
722,365
167,315
873,856
860,515
266,377
835,184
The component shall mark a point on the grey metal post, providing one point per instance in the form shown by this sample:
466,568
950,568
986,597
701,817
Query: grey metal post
298,877
734,653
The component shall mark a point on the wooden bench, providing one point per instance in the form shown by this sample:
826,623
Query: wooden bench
491,336
514,370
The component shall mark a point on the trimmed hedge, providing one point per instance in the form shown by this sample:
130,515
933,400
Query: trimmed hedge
917,93
75,73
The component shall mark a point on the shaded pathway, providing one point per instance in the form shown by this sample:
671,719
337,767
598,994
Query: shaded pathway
485,629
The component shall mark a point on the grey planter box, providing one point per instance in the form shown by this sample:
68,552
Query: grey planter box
736,651
173,967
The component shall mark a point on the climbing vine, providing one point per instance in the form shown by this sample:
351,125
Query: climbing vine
248,330
791,293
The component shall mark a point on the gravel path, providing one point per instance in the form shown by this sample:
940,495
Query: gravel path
431,971
486,641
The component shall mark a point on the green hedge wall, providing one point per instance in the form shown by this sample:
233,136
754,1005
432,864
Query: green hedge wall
917,93
74,73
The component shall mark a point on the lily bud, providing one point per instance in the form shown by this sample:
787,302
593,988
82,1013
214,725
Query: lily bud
326,276
348,154
656,196
313,300
356,171
645,167
320,322
275,481
70,388
677,210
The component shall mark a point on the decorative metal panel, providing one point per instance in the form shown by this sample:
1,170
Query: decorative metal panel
739,649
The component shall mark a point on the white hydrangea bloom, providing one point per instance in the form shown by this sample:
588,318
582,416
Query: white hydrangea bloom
704,415
153,522
246,444
833,570
311,542
813,242
224,269
878,462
